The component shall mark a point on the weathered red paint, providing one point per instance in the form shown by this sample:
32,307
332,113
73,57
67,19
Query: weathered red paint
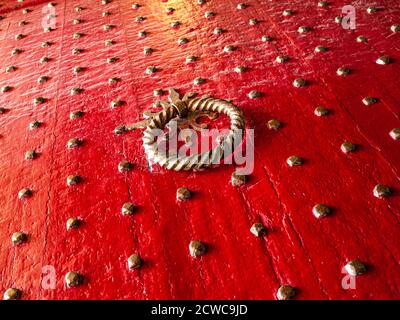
298,249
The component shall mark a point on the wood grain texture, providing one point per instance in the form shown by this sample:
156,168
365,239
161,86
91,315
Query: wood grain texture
298,249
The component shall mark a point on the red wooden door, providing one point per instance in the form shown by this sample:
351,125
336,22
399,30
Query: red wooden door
298,249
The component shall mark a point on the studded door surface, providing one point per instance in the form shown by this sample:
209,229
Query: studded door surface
333,97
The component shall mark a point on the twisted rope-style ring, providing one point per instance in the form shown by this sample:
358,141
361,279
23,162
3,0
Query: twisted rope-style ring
200,160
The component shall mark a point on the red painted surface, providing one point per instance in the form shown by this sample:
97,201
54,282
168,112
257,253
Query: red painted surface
298,249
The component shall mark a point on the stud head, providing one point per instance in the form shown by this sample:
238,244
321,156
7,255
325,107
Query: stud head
183,40
38,100
287,12
395,28
274,124
241,6
362,39
43,79
6,89
135,6
44,59
338,19
254,94
320,49
73,223
183,194
321,111
24,193
395,133
142,34
77,69
35,125
109,42
199,80
258,229
75,91
74,143
112,59
117,103
303,29
73,279
299,82
286,292
355,267
30,155
383,60
348,147
11,69
107,27
148,50
140,19
343,71
18,238
381,191
128,208
209,14
240,69
218,30
125,166
282,59
134,262
368,101
293,161
190,59
253,22
113,80
175,24
238,180
197,248
12,294
266,38
321,210
151,69
372,10
229,48
323,3
77,35
73,180
77,21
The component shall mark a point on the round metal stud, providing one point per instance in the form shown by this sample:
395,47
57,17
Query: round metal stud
158,92
347,147
117,103
135,6
321,111
151,69
112,59
12,294
6,89
77,69
197,248
22,23
294,161
240,69
142,34
107,27
395,133
190,59
43,79
299,82
343,71
282,58
75,91
19,36
338,19
140,19
241,6
169,10
148,50
355,267
381,191
24,193
108,43
134,262
48,29
362,39
238,180
266,38
78,8
18,238
218,30
258,229
253,22
11,69
77,35
254,94
320,48
209,14
76,51
287,12
15,52
113,80
383,60
273,124
199,80
372,10
44,59
46,44
77,21
35,125
3,110
286,292
321,210
73,279
105,2
73,180
229,48
73,223
128,208
369,101
303,29
75,114
183,40
395,28
183,194
30,155
105,13
323,3
125,166
201,2
74,143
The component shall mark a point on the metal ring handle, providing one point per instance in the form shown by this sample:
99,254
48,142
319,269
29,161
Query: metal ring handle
200,160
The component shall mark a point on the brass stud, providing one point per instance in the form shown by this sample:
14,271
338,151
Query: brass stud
75,114
142,34
135,6
134,262
112,59
183,194
77,21
35,124
105,1
240,69
158,92
22,23
128,208
74,143
201,1
190,59
151,69
19,36
12,294
175,24
218,30
209,14
108,43
73,223
258,229
120,130
343,71
78,8
303,29
241,6
30,155
369,101
254,94
355,267
11,69
105,13
27,10
253,22
362,39
46,44
197,248
117,103
125,166
6,89
24,193
273,124
77,69
3,110
266,38
294,161
321,210
383,60
320,48
321,111
323,3
395,133
73,180
113,80
299,82
73,279
16,51
199,80
47,29
395,28
381,191
107,27
347,147
238,180
140,19
287,12
76,51
372,10
75,91
229,48
286,292
169,10
43,79
147,50
44,59
18,238
183,40
77,35
281,58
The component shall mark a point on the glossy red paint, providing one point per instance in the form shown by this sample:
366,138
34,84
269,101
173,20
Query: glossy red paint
298,249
